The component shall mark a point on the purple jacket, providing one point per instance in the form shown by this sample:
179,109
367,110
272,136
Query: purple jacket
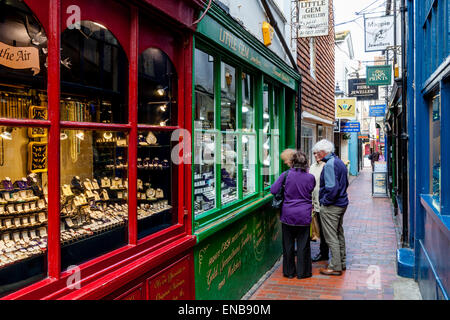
297,204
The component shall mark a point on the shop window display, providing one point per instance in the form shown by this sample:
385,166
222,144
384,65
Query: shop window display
205,136
94,193
229,168
249,164
23,151
435,145
94,76
266,138
94,163
157,89
156,188
204,173
23,207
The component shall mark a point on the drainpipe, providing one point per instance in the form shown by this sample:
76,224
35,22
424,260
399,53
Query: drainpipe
404,134
274,24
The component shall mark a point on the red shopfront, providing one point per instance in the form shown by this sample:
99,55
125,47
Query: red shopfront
94,95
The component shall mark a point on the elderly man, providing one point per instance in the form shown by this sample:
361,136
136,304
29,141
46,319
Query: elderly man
333,204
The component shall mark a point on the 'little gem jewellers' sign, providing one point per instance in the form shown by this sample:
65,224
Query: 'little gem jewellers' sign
20,57
379,75
312,18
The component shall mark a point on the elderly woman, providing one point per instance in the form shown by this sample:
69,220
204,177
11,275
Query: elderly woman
296,216
287,155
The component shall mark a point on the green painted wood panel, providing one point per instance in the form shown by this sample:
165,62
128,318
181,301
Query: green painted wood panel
230,262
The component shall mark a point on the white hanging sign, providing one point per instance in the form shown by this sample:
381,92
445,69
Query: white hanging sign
313,18
378,33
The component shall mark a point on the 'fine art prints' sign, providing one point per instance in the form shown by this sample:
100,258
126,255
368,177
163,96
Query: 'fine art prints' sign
379,75
20,57
312,18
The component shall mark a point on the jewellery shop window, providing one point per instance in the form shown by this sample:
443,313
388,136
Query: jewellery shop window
23,151
157,89
94,163
248,136
23,206
94,193
266,147
205,136
94,76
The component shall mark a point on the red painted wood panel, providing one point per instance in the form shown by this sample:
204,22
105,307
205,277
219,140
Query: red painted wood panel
172,283
137,293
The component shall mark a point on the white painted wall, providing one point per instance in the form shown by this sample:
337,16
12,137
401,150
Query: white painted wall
252,15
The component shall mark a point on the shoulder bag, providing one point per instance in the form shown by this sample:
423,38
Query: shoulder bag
278,198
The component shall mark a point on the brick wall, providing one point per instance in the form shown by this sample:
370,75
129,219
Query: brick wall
318,93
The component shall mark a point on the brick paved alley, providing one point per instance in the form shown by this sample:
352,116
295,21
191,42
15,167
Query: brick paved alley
371,244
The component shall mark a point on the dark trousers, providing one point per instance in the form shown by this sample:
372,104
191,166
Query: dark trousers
296,235
324,249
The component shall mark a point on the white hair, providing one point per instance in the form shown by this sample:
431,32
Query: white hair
323,145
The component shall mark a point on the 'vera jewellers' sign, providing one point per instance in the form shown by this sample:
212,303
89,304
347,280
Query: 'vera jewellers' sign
378,33
20,57
312,18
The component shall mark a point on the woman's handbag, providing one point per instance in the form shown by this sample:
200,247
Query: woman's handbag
278,198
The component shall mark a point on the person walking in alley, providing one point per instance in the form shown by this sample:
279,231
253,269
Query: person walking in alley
316,170
296,216
333,204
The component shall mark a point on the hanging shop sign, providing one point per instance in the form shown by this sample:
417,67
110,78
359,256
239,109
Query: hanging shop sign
345,108
234,44
359,89
378,33
337,125
377,111
20,57
37,157
379,75
313,18
351,126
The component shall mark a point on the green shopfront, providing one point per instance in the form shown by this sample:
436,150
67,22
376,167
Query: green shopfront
243,117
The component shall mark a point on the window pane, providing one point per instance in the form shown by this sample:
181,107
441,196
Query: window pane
94,193
247,103
228,97
307,141
275,156
436,149
204,90
23,207
94,76
249,164
23,71
229,168
157,183
157,89
204,172
276,109
266,160
266,114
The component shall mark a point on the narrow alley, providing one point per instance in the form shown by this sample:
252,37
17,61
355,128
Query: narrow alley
371,244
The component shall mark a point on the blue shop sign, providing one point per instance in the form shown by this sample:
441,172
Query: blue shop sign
353,126
377,111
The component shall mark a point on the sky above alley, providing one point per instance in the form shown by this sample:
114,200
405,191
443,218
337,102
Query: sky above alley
347,11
